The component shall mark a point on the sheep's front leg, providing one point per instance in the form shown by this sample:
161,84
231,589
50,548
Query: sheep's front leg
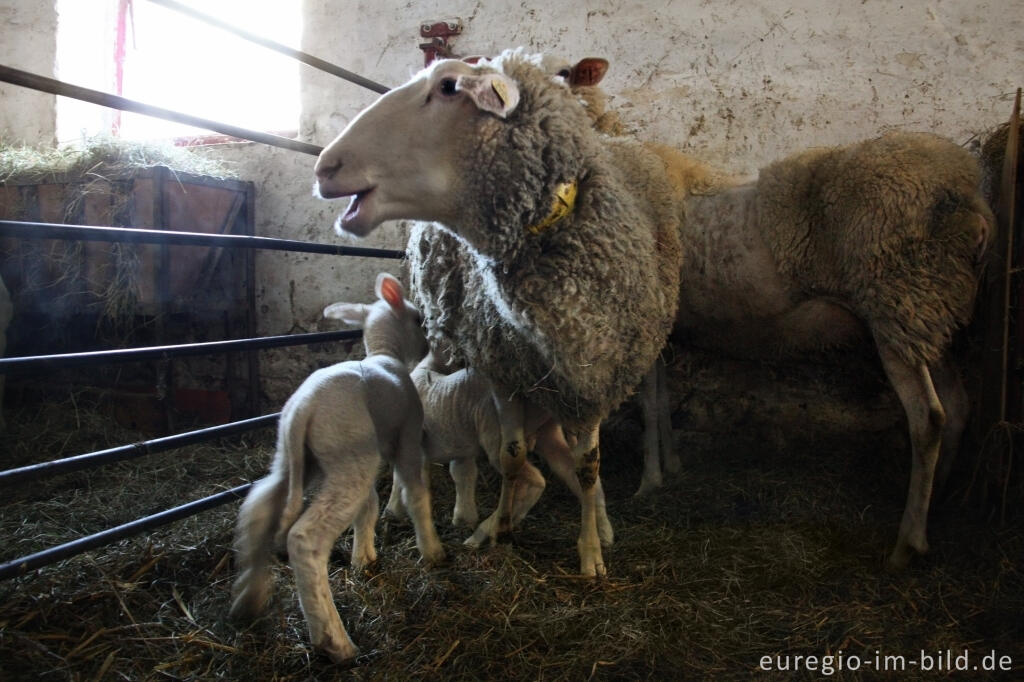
926,420
588,465
511,416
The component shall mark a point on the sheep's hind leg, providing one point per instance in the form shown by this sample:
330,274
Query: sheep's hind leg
926,420
309,546
463,472
953,396
409,472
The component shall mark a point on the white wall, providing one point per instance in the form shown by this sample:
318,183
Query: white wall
28,41
736,82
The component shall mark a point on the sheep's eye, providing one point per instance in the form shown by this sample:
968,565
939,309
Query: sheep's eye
448,86
564,73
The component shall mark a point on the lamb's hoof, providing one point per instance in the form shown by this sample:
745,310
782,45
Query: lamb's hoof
342,652
363,562
249,605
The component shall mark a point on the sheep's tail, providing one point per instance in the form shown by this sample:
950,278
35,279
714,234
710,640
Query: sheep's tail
291,458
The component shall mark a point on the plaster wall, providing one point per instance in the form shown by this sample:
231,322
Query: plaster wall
738,83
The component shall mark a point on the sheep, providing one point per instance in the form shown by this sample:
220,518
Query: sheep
874,242
343,419
565,302
460,420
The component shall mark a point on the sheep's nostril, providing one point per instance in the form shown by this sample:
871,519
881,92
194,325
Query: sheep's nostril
326,167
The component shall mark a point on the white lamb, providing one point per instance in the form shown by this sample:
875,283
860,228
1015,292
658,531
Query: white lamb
460,421
343,420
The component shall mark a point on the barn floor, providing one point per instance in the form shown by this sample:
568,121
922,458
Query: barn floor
762,546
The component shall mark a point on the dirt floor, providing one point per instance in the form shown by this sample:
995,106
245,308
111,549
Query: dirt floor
766,551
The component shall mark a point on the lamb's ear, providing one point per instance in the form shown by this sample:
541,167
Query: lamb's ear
493,92
349,313
588,71
390,290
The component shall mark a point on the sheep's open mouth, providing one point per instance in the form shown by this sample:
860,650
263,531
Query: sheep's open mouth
352,212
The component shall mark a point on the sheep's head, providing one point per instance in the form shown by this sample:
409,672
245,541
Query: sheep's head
391,158
425,150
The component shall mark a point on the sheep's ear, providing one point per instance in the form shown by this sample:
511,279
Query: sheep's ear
390,290
588,71
493,92
349,313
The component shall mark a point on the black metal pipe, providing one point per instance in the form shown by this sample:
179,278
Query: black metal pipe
37,363
22,565
30,230
134,450
303,57
56,87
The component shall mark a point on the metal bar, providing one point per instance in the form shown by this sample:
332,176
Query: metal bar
38,363
56,87
303,57
30,230
23,565
133,450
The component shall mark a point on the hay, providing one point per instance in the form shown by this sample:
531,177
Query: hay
102,166
755,550
102,158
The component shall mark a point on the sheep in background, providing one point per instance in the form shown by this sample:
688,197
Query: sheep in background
566,303
878,241
343,419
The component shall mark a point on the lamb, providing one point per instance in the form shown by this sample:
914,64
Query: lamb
460,420
879,241
343,419
573,241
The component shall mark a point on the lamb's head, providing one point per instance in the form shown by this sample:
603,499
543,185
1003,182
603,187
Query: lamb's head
391,325
458,144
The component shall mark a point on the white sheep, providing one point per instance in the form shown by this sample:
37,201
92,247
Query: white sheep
875,242
343,420
570,246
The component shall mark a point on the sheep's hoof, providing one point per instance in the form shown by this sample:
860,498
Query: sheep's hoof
902,555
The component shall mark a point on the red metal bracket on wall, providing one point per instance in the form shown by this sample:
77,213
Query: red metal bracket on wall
438,32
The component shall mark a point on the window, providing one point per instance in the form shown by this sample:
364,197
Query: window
177,62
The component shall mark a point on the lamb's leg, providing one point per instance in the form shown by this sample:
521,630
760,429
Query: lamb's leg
463,471
588,457
338,502
651,477
926,419
408,462
394,510
257,522
669,456
551,446
953,396
363,551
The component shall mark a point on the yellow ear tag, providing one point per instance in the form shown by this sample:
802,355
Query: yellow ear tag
562,205
501,90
